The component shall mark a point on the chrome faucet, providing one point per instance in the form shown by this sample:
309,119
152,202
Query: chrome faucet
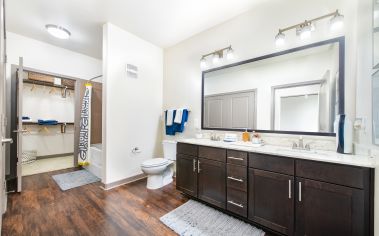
300,145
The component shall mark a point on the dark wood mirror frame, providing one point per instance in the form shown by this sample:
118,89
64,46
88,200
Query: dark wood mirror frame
341,83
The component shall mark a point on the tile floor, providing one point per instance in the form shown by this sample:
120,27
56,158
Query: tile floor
46,165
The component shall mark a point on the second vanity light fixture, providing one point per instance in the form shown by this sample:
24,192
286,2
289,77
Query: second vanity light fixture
217,56
304,29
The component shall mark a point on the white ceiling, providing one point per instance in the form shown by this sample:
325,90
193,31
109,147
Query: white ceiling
161,22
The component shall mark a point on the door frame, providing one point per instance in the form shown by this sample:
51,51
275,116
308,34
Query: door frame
12,117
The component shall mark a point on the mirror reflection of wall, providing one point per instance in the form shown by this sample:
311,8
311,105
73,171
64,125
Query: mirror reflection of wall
375,32
299,113
276,84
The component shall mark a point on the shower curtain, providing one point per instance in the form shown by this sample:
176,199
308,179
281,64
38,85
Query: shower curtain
85,127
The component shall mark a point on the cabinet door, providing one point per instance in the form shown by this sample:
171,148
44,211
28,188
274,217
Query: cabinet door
186,174
212,182
271,200
328,209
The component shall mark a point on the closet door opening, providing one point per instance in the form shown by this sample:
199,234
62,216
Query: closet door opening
42,116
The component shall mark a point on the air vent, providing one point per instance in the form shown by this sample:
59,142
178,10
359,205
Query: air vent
132,71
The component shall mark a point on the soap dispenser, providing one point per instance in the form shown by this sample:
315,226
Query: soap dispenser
245,136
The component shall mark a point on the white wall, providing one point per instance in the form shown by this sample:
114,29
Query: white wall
132,106
49,58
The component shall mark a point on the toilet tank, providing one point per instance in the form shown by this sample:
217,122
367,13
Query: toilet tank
169,149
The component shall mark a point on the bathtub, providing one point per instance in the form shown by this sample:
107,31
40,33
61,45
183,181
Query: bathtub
95,159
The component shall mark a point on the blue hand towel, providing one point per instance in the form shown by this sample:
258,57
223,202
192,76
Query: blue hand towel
175,127
47,122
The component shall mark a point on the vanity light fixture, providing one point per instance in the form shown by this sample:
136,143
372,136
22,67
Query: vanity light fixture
203,63
58,31
217,56
336,22
280,39
304,29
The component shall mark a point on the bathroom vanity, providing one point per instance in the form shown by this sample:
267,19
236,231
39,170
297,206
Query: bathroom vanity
280,190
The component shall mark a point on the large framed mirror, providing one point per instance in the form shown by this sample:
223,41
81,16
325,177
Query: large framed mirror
296,91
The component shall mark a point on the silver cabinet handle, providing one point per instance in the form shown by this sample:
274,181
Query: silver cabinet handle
6,140
198,166
194,165
289,189
236,204
236,158
299,191
235,179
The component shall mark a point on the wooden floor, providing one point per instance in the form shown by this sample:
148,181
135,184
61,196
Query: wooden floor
43,209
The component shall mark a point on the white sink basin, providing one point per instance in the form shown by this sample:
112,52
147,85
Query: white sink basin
246,145
299,151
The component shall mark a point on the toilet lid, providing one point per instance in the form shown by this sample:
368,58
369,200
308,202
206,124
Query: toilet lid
155,162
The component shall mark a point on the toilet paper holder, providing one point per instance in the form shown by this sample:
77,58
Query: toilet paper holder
136,150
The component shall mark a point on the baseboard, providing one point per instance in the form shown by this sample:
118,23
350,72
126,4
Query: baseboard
123,181
55,155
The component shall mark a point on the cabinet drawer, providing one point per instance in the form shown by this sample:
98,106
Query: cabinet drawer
282,165
236,177
333,173
211,153
237,202
236,157
188,149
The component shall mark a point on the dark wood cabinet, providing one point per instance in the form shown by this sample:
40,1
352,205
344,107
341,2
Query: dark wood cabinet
271,200
288,196
186,174
211,182
329,209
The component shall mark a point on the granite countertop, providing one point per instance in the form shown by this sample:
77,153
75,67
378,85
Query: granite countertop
315,155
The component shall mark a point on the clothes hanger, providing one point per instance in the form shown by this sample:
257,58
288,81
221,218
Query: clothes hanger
52,90
33,87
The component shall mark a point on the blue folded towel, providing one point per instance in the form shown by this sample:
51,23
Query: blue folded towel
26,118
47,122
175,127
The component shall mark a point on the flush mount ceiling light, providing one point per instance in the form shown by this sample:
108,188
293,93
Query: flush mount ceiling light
217,56
304,29
58,31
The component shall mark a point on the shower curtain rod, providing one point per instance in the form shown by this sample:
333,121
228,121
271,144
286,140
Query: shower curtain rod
95,77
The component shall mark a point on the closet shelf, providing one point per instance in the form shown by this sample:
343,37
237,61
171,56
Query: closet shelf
36,123
37,82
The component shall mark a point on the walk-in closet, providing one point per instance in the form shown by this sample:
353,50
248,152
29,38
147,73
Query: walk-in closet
48,114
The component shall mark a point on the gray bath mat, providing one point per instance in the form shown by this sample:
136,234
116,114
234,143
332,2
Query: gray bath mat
74,179
194,218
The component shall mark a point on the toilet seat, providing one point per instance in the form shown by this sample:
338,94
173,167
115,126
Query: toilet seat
155,162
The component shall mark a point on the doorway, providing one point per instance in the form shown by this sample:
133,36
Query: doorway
50,109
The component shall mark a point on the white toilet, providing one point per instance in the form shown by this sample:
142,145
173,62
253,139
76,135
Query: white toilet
159,171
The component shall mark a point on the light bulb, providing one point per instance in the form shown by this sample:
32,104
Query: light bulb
58,31
306,31
280,39
216,58
336,23
230,54
203,63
